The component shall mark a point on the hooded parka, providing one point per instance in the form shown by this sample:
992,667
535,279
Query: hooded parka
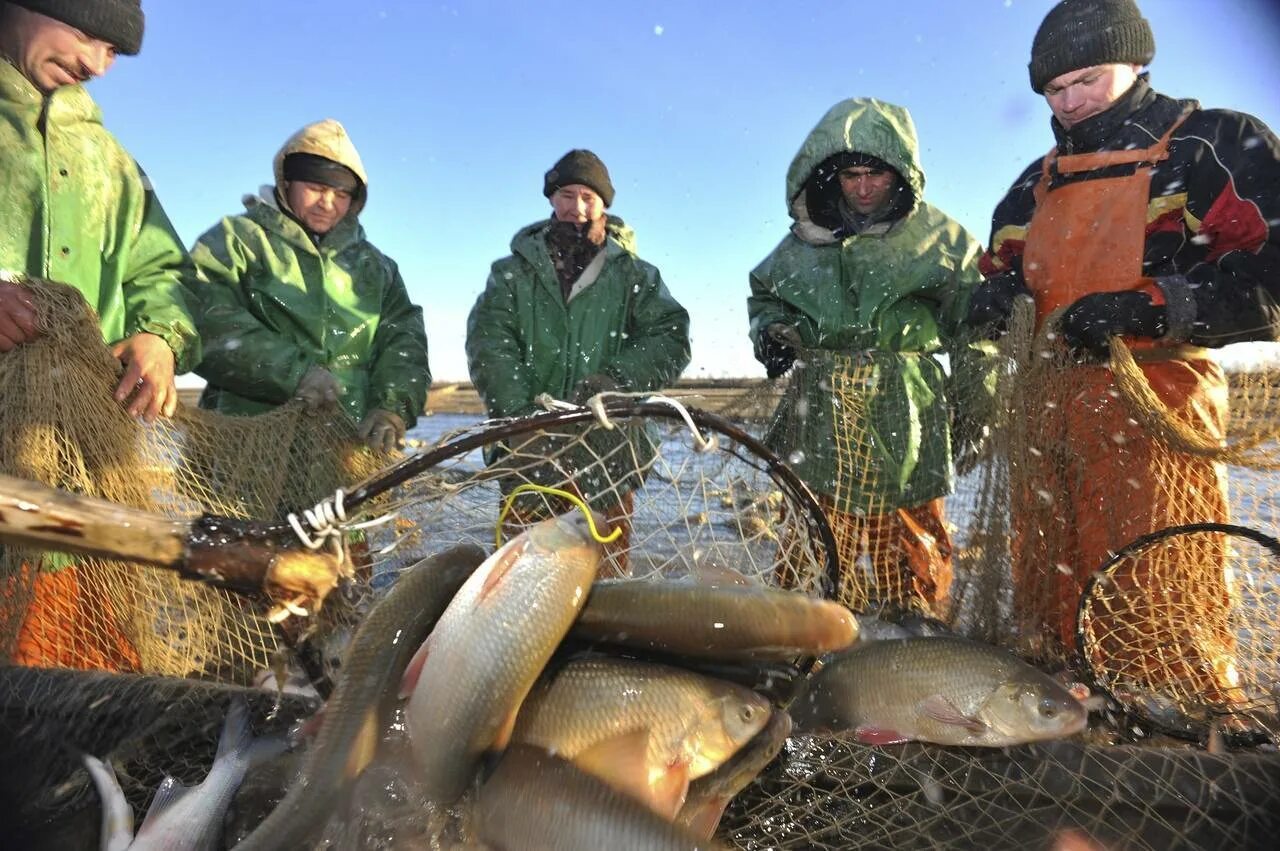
894,294
77,209
278,302
524,338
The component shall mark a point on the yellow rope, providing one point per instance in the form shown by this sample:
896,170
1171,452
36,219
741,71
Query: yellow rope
576,500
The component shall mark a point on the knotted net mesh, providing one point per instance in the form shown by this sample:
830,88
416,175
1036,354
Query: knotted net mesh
173,652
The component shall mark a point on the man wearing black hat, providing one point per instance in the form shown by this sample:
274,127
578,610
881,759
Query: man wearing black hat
870,282
76,209
70,190
574,311
301,305
1152,220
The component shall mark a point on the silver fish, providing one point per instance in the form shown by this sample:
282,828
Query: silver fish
470,676
950,691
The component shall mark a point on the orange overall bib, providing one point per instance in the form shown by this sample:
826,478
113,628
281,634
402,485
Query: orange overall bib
1097,479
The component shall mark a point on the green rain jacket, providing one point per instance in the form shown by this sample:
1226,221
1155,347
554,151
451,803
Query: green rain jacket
278,303
892,296
524,339
77,209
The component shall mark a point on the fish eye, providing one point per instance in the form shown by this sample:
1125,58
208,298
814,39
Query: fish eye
748,712
1048,709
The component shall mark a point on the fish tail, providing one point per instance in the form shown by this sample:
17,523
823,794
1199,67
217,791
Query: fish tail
237,735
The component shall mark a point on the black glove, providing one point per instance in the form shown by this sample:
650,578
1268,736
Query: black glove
596,382
1093,319
778,344
991,304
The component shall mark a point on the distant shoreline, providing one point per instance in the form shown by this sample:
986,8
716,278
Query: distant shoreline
738,398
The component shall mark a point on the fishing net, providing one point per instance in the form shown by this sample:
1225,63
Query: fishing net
60,426
1078,467
696,497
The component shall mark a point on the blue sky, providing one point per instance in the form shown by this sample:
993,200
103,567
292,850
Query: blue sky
696,108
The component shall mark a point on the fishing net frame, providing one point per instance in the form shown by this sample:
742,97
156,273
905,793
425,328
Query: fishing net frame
1112,604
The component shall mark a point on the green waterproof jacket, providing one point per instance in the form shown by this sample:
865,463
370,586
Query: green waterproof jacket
887,299
278,303
524,338
76,209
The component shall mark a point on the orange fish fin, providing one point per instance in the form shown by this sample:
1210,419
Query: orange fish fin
409,680
943,711
880,736
703,819
669,790
501,567
621,761
362,749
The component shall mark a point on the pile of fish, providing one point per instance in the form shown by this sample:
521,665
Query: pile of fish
551,710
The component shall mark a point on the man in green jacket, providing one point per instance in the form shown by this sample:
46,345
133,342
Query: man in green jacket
574,311
75,205
299,304
870,284
77,210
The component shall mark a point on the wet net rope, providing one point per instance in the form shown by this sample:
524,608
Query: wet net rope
172,653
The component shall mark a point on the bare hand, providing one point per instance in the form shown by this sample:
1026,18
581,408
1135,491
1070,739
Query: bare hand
17,316
148,376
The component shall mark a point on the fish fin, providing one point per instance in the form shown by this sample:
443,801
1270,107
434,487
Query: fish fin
943,711
168,793
409,681
501,568
668,792
703,818
265,748
503,736
622,761
880,736
362,749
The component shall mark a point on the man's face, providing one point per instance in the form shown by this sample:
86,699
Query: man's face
50,53
319,207
867,190
1082,94
577,203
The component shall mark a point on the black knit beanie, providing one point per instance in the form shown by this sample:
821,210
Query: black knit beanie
117,22
310,168
1082,33
579,166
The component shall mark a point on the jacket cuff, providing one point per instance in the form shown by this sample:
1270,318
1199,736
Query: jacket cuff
1174,291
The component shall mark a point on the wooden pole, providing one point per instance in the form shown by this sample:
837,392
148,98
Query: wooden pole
248,557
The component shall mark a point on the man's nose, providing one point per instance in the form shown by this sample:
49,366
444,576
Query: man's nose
100,58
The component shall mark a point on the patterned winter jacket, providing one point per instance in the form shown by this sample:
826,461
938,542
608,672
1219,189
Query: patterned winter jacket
1211,236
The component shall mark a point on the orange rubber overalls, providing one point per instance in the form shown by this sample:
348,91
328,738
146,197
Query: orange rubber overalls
1097,479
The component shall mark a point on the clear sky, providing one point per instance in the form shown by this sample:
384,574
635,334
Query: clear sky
458,108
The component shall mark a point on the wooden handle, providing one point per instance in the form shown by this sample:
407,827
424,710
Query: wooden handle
38,515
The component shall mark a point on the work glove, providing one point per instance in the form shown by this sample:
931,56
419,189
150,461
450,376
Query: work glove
1094,319
381,430
778,346
596,382
991,304
317,389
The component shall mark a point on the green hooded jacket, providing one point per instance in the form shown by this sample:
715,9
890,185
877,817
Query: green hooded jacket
524,338
77,209
278,303
892,296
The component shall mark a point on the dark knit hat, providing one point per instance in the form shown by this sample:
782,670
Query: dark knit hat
1082,33
579,166
117,22
314,169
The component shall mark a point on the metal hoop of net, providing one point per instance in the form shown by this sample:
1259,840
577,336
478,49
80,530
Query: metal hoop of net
1161,654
